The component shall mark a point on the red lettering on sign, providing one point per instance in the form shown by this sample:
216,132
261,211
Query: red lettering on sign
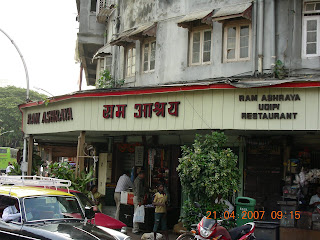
121,112
139,108
174,108
108,112
147,110
159,108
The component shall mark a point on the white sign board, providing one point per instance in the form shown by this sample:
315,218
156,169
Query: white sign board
138,156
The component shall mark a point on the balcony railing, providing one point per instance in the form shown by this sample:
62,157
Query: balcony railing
104,9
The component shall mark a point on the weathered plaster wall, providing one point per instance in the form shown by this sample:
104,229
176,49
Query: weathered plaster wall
173,41
90,31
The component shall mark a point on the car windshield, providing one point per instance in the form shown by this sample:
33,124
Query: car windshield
51,207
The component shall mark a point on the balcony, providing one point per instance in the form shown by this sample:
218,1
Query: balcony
104,9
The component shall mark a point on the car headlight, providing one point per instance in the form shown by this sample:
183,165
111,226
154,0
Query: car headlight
205,233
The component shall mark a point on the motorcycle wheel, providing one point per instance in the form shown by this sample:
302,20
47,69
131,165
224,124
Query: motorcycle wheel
186,236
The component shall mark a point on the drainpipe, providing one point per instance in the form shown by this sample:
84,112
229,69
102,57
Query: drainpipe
117,50
260,36
273,33
254,42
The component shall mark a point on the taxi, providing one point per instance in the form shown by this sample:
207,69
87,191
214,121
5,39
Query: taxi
42,213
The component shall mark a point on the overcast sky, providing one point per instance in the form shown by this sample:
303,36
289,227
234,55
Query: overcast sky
45,32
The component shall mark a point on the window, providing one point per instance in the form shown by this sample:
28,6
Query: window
311,30
237,42
149,55
93,5
200,47
131,62
103,63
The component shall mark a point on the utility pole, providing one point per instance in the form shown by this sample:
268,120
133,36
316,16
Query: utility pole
24,163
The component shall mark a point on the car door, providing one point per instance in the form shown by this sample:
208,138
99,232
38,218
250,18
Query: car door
10,230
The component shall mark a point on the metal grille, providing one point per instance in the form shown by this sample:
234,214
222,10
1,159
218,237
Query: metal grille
106,4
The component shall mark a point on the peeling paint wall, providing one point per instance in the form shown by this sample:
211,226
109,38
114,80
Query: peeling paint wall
173,41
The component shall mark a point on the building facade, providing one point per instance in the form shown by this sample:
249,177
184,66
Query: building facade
248,68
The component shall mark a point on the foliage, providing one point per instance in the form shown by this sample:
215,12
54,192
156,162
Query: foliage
64,171
206,170
279,70
193,215
10,116
108,81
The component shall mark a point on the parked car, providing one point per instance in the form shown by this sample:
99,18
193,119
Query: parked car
100,219
49,214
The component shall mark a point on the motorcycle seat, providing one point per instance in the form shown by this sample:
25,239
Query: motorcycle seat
238,232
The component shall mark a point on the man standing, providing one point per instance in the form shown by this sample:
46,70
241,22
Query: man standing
123,184
9,168
138,191
315,199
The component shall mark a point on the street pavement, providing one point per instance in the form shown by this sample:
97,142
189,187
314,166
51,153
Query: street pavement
172,235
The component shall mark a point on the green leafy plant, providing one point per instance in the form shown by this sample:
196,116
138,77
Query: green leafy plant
108,81
279,70
16,169
63,171
206,170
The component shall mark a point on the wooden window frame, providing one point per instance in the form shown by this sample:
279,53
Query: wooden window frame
237,25
148,41
129,59
201,31
102,66
307,16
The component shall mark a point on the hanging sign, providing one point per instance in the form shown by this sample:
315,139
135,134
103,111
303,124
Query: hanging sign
138,158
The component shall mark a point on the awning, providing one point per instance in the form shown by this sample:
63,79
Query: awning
146,30
105,50
186,20
104,13
136,33
233,11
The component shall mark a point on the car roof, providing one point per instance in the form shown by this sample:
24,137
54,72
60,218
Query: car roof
26,191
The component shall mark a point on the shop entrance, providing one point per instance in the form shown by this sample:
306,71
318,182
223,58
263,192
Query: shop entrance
263,174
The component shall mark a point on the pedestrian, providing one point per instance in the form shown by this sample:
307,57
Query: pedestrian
9,168
138,192
123,184
315,199
95,196
160,201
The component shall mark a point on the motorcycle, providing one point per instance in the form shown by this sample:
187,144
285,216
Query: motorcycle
209,228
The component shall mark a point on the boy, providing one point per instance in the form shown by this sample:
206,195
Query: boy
160,215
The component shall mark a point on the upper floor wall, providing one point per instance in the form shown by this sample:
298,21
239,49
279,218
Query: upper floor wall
221,48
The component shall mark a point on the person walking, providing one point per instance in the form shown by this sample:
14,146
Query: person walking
123,184
138,192
9,168
160,201
95,197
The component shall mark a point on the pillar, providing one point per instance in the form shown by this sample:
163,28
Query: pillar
80,153
30,151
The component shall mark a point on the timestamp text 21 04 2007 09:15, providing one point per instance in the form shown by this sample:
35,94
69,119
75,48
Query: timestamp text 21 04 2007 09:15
255,215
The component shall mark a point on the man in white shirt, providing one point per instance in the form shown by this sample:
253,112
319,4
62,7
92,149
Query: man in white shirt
220,200
9,168
123,184
315,199
11,213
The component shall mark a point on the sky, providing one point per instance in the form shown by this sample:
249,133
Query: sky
45,33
